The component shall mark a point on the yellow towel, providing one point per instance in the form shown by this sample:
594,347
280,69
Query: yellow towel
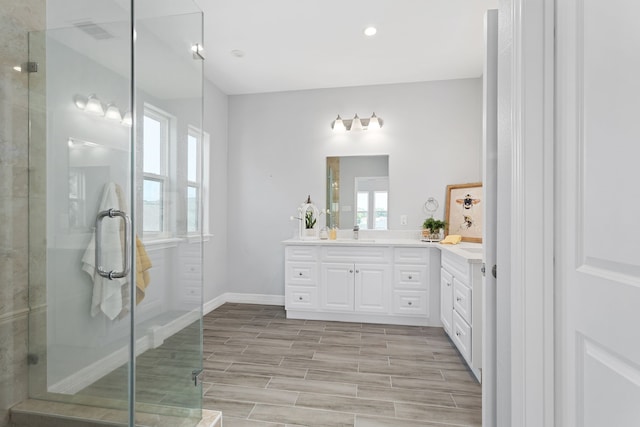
143,264
452,239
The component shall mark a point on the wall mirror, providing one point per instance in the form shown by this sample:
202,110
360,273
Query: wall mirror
358,192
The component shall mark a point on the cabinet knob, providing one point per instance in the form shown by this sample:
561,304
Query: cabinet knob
448,284
300,298
300,274
458,299
457,333
410,277
409,303
350,271
357,271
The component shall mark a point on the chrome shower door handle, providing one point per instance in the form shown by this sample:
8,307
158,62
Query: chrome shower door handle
112,213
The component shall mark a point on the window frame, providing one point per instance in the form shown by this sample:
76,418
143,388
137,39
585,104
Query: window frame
202,177
166,121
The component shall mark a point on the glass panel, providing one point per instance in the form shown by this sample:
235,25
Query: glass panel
80,165
192,158
152,196
192,209
152,146
362,209
169,314
380,209
80,341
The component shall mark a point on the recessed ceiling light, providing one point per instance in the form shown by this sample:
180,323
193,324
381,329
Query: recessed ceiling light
370,31
237,53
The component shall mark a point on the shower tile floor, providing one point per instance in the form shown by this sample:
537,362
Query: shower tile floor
263,370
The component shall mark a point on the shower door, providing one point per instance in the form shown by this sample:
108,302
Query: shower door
115,217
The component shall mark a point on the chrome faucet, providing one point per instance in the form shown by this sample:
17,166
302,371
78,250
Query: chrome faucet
356,229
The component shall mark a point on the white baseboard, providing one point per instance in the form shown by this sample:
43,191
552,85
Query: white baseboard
254,299
154,337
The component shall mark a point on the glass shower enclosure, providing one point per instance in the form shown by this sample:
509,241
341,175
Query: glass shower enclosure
115,212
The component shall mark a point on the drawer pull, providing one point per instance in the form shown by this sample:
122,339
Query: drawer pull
300,274
300,298
410,277
409,303
458,299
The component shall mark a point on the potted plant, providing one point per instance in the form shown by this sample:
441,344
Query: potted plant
309,220
431,228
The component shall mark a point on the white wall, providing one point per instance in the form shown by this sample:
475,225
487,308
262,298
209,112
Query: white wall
278,144
215,249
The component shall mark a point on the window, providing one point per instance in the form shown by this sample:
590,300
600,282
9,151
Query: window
372,203
155,172
193,182
197,156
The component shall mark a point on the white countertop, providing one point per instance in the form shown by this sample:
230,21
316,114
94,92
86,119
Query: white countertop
471,251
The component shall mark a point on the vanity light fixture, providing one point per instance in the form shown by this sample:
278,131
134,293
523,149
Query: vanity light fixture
373,123
91,104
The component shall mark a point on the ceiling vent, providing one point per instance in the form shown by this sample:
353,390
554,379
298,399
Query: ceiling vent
93,29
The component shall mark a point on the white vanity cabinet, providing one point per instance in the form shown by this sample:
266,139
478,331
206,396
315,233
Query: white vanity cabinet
355,287
375,283
461,305
301,277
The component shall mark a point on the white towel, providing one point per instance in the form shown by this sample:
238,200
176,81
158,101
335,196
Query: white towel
107,294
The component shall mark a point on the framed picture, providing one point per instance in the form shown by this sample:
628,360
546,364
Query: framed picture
463,211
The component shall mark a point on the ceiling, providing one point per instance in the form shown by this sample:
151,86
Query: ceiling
310,44
285,44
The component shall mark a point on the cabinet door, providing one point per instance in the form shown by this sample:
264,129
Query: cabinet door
372,288
446,300
337,286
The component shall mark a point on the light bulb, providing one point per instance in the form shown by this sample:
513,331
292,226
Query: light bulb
113,113
94,106
338,124
374,122
80,101
127,119
356,124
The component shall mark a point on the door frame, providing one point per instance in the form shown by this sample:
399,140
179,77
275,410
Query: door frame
525,280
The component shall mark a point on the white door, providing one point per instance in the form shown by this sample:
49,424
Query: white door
597,211
490,226
337,286
371,288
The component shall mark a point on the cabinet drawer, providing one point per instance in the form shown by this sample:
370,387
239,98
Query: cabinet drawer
301,297
301,273
354,254
456,265
411,302
462,300
411,277
462,336
411,255
301,253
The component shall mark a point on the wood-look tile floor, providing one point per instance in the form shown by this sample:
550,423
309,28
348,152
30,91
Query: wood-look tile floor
263,370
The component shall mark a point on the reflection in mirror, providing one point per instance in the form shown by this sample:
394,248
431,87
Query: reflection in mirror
358,192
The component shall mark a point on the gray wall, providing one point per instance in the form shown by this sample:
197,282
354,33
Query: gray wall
16,20
278,144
